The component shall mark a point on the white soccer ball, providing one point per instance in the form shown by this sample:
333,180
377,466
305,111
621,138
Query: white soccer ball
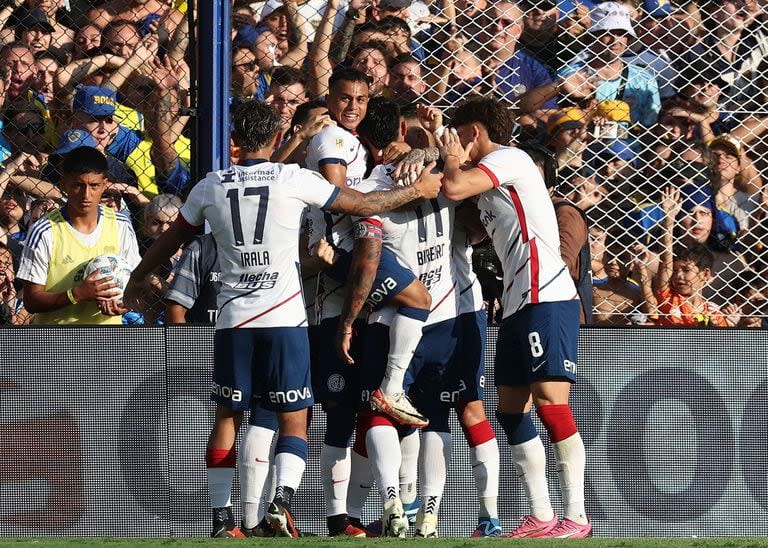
111,265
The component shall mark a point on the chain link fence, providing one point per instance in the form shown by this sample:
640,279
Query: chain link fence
648,114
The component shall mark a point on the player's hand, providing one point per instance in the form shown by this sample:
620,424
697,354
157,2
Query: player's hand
428,183
112,308
325,252
449,145
134,293
344,344
316,123
95,288
409,168
394,152
430,118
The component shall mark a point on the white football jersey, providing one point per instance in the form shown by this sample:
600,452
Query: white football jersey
421,241
520,219
255,215
336,145
468,291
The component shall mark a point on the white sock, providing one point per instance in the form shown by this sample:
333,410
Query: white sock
220,486
360,481
404,337
572,460
290,469
531,465
335,465
384,451
485,468
409,467
254,468
435,456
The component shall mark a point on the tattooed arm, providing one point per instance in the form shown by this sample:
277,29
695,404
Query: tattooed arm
362,273
363,205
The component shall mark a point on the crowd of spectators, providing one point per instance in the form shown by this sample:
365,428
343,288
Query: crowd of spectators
653,112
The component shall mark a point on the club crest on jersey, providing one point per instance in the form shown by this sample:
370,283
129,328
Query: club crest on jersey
336,383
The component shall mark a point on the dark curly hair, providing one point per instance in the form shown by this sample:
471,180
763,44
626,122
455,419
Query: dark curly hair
496,118
381,124
256,125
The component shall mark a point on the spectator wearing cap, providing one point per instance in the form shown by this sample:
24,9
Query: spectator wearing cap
599,72
262,43
94,109
52,9
567,136
727,157
702,223
613,159
734,52
35,31
282,18
516,72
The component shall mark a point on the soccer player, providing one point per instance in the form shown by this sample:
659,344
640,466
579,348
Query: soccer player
537,346
340,157
254,211
61,244
450,356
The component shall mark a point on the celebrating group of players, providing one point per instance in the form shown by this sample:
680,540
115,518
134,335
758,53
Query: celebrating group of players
395,334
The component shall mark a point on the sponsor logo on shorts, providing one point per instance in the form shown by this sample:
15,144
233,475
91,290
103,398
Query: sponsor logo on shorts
451,396
336,382
569,366
227,392
290,396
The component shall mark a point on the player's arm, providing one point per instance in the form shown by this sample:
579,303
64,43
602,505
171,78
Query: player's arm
175,313
366,255
37,299
427,186
458,183
335,173
162,250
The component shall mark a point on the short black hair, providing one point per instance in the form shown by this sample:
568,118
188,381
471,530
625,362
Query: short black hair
287,76
82,160
381,124
697,253
346,74
497,119
301,115
256,125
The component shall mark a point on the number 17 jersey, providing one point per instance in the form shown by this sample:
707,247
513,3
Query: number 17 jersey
255,214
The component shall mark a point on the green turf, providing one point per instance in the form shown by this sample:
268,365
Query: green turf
323,542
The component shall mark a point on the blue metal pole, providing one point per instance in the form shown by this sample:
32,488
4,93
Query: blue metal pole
213,78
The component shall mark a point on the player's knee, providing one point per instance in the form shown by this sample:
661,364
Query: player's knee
518,427
341,426
470,413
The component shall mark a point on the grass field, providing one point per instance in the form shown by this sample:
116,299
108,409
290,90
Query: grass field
324,542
